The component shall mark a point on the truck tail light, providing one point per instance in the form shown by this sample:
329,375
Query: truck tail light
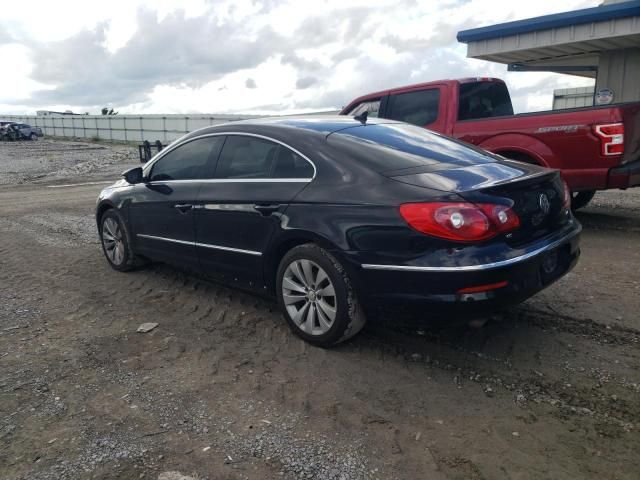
463,222
611,138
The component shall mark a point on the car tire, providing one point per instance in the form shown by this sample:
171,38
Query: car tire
33,137
329,315
581,199
116,242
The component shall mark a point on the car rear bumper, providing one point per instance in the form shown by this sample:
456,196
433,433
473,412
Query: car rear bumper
474,289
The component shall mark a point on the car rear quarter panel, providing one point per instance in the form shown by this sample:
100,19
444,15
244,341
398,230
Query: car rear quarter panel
359,216
351,228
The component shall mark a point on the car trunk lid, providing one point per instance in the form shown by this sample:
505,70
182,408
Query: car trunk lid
535,194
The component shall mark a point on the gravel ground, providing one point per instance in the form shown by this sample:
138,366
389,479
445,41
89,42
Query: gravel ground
222,390
48,160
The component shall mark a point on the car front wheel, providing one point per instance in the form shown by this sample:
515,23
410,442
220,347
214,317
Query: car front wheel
116,243
316,296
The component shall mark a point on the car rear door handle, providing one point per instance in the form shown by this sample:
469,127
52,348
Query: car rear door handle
267,210
184,207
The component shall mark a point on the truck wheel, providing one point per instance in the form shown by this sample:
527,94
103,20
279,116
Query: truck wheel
581,199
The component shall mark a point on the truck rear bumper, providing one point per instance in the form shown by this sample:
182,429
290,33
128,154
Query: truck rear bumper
625,176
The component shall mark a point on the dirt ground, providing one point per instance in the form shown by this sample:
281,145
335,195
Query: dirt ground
222,390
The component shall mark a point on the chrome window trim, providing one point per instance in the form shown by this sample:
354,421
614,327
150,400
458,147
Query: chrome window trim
474,268
147,168
234,180
198,244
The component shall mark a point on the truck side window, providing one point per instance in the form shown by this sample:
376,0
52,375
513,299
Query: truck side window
419,108
483,100
371,106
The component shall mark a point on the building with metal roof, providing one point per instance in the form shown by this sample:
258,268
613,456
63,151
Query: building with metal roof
601,42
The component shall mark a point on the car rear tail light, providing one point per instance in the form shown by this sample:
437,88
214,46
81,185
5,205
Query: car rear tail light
611,138
460,221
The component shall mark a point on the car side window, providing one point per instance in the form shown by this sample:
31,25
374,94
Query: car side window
255,158
288,164
371,106
190,161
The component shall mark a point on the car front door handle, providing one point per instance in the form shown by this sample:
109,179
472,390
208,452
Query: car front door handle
184,207
266,210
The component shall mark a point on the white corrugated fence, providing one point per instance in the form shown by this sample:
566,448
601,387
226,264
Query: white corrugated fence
132,128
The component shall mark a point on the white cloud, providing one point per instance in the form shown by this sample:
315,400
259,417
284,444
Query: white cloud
178,56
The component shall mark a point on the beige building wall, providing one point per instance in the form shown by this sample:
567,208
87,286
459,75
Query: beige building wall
619,70
572,97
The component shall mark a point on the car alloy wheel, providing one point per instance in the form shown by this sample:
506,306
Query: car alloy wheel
316,296
116,242
112,240
309,296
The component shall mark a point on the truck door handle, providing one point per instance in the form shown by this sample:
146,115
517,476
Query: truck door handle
184,207
267,210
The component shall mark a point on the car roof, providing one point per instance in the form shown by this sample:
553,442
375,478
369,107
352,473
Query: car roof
312,124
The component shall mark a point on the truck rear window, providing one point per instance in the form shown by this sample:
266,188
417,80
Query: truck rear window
483,100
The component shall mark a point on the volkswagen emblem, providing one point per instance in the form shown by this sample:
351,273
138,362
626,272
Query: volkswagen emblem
543,201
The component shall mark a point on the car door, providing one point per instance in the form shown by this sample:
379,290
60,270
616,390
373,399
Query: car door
239,209
161,212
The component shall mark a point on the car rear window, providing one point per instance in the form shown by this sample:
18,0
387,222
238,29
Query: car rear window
394,146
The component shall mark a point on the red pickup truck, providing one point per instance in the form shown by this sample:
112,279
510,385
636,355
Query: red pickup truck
596,148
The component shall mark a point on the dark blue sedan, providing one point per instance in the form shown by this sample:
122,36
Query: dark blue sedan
335,217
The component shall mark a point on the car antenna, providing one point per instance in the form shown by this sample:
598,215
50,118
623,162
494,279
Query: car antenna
362,118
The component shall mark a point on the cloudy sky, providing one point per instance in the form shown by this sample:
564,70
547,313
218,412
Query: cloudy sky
271,56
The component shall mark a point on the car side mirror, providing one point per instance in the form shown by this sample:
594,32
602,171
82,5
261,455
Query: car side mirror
133,175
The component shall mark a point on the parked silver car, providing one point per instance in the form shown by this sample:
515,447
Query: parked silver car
19,131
